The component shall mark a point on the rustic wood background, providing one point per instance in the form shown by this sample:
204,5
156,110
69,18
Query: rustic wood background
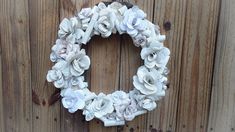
201,96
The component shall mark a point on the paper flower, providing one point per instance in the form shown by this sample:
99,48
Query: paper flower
155,55
148,104
121,101
100,106
130,110
73,99
70,31
105,23
140,40
56,77
147,81
79,62
133,21
85,16
78,82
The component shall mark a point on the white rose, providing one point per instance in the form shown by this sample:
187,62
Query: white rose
79,62
148,81
121,100
73,99
100,106
119,11
56,77
140,40
155,55
130,110
133,21
148,104
61,49
70,30
85,15
105,23
78,82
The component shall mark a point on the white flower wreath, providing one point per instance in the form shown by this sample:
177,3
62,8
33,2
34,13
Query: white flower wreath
71,61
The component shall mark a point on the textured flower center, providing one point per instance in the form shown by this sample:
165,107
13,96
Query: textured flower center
70,101
134,21
152,56
149,80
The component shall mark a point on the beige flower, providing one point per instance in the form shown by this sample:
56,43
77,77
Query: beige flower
100,106
79,62
105,23
148,81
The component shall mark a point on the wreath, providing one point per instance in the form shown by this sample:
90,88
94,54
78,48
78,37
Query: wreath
71,61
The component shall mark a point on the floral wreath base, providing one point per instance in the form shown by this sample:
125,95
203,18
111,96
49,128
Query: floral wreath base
71,61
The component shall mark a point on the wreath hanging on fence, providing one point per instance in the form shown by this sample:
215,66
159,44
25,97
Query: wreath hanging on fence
71,61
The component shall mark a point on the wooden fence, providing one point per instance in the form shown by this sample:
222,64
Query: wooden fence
201,96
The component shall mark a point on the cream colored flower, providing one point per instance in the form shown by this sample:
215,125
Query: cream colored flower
121,100
79,62
100,106
148,104
130,110
140,40
147,81
85,16
155,55
70,30
56,77
73,99
78,82
133,21
105,23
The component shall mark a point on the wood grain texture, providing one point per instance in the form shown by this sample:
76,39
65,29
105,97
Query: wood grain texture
28,103
170,16
44,17
15,90
197,65
1,95
222,110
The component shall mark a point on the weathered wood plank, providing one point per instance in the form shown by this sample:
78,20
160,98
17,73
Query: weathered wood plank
1,94
130,61
44,17
170,16
16,101
222,110
197,64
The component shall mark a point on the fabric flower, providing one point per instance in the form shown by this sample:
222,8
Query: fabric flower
70,30
79,62
133,21
155,55
73,99
100,106
147,81
56,77
105,23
